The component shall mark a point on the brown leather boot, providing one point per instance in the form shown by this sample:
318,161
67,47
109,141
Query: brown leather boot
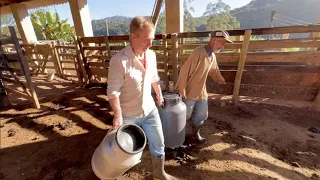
196,135
158,170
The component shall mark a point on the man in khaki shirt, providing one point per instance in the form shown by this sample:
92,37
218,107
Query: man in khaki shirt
193,75
132,72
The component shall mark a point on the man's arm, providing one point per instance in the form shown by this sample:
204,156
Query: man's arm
155,83
157,89
115,81
184,73
117,116
215,74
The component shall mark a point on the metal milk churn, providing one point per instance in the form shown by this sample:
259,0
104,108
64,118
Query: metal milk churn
120,150
173,116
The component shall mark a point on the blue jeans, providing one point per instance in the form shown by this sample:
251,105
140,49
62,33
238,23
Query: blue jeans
200,109
152,127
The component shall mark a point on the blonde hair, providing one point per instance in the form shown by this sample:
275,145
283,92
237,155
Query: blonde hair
138,23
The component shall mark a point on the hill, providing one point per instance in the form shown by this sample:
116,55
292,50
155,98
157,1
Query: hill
256,14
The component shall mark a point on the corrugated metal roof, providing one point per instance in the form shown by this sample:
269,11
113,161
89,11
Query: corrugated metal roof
33,5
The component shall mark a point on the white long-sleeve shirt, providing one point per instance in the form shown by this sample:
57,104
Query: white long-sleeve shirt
131,82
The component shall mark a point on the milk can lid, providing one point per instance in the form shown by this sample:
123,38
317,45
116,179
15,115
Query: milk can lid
171,97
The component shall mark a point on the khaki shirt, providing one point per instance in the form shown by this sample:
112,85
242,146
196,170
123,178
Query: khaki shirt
131,82
194,72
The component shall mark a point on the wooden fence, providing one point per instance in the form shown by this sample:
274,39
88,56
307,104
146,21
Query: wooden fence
277,68
262,67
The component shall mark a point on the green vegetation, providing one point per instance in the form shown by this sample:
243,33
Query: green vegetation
219,16
6,21
49,26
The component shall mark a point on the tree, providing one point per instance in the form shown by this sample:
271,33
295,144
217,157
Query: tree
222,21
6,21
50,27
219,17
216,8
161,25
189,23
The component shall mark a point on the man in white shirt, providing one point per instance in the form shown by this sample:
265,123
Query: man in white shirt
132,72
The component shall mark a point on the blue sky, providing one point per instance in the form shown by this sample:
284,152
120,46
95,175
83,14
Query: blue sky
105,8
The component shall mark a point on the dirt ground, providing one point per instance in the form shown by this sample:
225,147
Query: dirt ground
258,139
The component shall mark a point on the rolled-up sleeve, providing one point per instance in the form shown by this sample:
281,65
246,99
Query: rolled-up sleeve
115,77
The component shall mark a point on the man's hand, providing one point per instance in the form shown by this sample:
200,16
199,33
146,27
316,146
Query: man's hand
160,99
117,122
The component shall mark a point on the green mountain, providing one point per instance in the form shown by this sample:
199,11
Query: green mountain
117,25
256,14
287,12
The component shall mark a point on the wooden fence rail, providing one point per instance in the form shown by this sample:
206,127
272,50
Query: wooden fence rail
240,62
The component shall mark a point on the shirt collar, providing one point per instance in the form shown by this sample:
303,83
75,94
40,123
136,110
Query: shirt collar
208,49
129,52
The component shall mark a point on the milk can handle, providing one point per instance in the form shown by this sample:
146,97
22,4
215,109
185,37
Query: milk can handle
182,97
163,104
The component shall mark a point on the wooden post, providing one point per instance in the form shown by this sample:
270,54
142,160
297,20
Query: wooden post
273,12
84,60
316,102
175,57
108,47
181,41
107,28
174,16
23,21
57,59
156,12
81,68
284,36
45,51
238,38
81,17
24,66
165,59
316,34
237,81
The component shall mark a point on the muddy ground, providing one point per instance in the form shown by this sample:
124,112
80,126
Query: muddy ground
258,139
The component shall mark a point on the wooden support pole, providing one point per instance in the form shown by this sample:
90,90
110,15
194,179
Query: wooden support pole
181,42
23,21
175,57
85,61
57,60
24,66
16,79
284,36
81,17
45,51
238,38
108,47
237,81
174,16
165,60
107,29
273,12
156,12
83,79
317,34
